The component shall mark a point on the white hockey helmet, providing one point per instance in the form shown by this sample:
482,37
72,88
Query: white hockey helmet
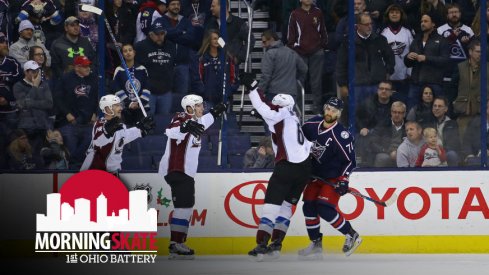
108,101
191,100
284,100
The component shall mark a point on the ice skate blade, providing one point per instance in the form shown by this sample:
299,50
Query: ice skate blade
357,243
311,257
257,258
180,257
272,255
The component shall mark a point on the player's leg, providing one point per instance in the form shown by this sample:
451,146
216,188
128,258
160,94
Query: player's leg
183,195
315,249
326,206
274,198
295,179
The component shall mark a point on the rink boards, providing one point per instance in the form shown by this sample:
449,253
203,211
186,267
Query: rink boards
436,211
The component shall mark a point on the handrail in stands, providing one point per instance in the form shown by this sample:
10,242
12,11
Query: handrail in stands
250,27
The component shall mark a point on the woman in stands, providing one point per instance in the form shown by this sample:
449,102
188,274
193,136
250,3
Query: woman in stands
210,68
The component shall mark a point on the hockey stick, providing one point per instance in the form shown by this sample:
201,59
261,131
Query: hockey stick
385,203
250,26
92,9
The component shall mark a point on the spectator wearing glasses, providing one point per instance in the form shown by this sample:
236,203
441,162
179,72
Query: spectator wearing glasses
374,60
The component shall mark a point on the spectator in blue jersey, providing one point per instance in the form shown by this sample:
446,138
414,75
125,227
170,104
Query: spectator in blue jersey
122,87
186,37
10,73
76,99
290,174
149,11
210,67
333,160
157,54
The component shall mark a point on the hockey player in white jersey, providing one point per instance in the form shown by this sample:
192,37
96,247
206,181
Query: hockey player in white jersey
179,166
110,134
333,161
291,172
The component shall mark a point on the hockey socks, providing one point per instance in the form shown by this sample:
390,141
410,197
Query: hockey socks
312,220
333,217
179,224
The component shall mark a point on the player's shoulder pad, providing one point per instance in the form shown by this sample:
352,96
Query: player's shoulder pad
315,120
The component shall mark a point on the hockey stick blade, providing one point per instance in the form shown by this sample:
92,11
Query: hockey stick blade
391,200
91,9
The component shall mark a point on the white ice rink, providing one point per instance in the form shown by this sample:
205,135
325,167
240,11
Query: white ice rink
332,264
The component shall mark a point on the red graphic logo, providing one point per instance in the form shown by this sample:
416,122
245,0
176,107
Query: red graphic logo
245,196
89,185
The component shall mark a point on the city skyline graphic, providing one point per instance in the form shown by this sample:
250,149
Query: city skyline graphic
63,217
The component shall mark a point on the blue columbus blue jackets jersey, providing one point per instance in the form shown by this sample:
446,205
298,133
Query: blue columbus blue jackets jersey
332,149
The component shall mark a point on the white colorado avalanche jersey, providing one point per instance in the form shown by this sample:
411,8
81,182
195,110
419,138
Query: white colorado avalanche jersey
288,140
182,149
106,153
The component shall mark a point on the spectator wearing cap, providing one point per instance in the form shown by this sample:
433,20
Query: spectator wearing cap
20,49
67,47
45,16
186,37
157,54
10,72
76,100
35,102
21,156
148,13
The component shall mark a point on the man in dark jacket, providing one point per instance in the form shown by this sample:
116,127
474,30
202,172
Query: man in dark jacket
374,60
76,101
180,31
428,55
157,54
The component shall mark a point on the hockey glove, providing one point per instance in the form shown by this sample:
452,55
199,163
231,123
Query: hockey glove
249,81
146,125
192,127
217,110
342,186
112,126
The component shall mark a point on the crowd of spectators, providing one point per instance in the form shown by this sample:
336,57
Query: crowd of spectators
417,67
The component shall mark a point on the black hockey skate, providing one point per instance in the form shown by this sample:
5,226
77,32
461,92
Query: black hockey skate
314,251
273,250
352,242
179,251
258,252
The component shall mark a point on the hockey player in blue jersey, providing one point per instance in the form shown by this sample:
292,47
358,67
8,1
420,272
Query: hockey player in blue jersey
333,159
